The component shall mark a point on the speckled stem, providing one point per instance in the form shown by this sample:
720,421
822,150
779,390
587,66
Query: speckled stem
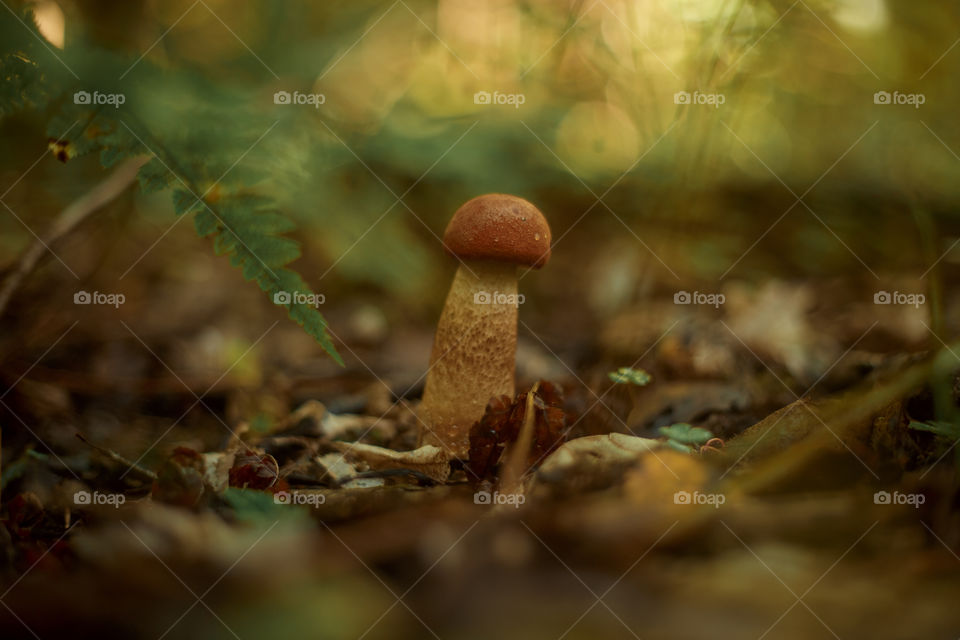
474,353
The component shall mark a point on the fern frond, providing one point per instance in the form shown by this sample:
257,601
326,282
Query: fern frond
190,141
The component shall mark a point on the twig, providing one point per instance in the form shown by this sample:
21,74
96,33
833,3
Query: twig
75,213
116,457
514,469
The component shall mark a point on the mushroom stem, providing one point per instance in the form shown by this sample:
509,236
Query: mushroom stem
473,353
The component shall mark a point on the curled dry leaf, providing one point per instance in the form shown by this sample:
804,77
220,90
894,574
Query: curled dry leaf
429,460
501,423
341,473
251,470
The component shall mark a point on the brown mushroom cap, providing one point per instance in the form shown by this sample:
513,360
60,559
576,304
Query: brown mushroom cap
499,227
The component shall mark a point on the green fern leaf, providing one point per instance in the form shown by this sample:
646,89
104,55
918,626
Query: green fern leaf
154,176
185,202
194,141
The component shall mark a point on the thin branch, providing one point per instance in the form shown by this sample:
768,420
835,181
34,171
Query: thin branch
75,213
116,457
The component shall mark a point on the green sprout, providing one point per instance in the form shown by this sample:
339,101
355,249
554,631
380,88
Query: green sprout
682,437
629,375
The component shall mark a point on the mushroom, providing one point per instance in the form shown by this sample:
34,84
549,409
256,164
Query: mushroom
476,341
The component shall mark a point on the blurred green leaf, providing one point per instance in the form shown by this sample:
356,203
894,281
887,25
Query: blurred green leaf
251,505
683,433
945,429
628,375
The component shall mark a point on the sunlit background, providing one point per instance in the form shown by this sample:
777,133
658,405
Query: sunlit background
598,117
672,144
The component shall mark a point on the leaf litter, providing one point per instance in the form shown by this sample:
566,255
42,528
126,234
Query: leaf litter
619,490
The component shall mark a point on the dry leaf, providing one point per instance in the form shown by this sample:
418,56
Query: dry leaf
251,470
501,424
775,321
216,470
687,402
594,462
655,480
336,467
345,426
342,473
180,478
429,460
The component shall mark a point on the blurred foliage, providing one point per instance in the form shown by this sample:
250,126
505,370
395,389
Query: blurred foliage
629,375
399,140
945,429
948,432
684,437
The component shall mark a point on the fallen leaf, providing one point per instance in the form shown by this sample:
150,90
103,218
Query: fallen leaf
775,321
343,474
501,424
657,481
686,402
345,426
429,460
251,470
785,441
216,470
594,462
180,478
336,467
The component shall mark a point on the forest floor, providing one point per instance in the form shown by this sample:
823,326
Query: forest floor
158,483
